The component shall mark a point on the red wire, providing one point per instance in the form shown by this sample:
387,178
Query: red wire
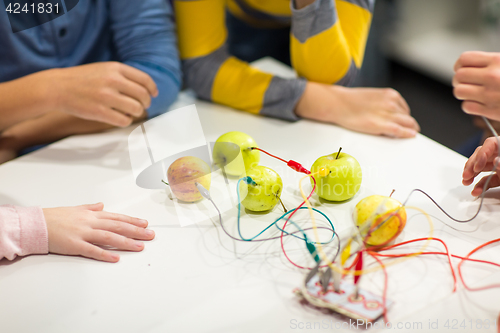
358,266
436,253
466,258
265,152
433,238
386,278
375,255
290,216
354,262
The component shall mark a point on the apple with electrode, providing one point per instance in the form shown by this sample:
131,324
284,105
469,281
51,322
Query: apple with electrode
343,179
262,190
184,173
380,220
233,154
338,177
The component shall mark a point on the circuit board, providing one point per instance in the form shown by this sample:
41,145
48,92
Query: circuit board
368,306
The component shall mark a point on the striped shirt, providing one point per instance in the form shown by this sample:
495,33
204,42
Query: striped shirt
328,40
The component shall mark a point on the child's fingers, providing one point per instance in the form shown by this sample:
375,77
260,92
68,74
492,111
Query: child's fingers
470,75
491,148
489,167
405,121
94,252
473,59
475,108
469,92
123,218
394,130
107,238
479,188
485,156
481,160
468,174
125,229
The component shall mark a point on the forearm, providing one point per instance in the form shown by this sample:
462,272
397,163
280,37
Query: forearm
229,81
144,37
48,128
23,99
215,75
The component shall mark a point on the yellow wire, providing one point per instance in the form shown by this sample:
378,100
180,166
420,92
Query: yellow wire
346,253
365,271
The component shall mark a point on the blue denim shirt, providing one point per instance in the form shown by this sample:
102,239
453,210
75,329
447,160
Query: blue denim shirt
139,33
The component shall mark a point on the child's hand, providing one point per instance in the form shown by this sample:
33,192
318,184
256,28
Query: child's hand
75,230
107,92
366,110
482,160
477,83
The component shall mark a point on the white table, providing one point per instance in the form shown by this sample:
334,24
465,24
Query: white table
195,279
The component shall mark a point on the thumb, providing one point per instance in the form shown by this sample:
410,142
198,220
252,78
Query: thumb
97,207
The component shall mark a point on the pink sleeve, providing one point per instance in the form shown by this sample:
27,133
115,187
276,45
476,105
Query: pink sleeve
23,231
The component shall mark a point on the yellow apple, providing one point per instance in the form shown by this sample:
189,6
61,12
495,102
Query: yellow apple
265,193
184,173
227,150
343,179
375,209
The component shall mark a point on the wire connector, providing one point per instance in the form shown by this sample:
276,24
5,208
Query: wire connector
203,191
292,164
298,167
249,181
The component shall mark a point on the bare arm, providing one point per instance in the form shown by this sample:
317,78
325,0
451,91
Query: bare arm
108,92
23,99
367,110
48,128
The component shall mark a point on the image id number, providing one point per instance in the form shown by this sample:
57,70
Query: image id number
40,8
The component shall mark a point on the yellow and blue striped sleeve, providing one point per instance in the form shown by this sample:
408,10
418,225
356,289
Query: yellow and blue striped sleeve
216,76
328,39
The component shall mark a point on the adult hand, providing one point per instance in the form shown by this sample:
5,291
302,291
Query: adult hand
482,160
107,92
477,83
367,110
78,231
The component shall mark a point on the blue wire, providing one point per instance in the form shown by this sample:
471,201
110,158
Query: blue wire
276,221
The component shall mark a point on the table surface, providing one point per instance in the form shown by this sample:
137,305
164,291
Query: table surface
195,279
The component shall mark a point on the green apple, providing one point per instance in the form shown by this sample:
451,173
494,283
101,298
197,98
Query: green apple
343,179
184,173
375,209
227,150
265,193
